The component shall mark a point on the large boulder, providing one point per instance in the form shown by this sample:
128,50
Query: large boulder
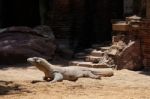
19,43
130,57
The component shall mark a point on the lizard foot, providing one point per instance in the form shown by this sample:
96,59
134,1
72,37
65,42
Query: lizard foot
47,78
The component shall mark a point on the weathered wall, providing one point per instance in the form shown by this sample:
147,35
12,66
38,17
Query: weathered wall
19,13
142,33
85,21
148,8
0,13
59,17
130,57
117,9
128,7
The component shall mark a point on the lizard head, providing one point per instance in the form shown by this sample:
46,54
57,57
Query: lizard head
43,65
37,60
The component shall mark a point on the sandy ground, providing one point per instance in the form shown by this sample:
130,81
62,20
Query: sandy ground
15,83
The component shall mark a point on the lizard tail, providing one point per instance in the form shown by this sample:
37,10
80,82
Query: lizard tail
103,73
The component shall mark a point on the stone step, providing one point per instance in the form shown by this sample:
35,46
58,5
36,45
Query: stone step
93,59
80,55
75,62
89,50
104,48
95,46
87,64
113,52
98,53
100,65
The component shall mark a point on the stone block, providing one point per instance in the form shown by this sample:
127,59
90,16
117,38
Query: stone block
97,53
93,59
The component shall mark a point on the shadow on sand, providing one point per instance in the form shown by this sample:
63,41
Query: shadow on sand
9,87
145,71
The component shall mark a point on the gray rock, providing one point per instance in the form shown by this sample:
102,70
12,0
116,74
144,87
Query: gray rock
19,43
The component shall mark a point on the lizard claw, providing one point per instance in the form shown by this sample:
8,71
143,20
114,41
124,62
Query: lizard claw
47,78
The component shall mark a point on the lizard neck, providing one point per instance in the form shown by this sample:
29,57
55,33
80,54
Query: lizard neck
47,65
49,69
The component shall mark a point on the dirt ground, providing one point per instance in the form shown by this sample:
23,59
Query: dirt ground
16,83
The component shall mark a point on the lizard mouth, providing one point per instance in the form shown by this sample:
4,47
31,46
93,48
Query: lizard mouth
33,60
30,60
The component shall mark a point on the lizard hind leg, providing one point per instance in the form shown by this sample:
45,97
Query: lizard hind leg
57,77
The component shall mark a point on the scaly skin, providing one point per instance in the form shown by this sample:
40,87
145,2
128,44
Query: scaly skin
71,73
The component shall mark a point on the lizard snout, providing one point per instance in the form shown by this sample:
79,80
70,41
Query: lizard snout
34,60
30,60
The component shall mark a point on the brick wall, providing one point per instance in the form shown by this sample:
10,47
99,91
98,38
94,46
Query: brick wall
142,32
59,17
79,18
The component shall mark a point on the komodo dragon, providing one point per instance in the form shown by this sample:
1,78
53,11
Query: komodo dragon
71,73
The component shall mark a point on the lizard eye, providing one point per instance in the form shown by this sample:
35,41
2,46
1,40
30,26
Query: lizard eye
38,61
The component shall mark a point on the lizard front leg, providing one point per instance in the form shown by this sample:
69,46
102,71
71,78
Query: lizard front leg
47,78
57,77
